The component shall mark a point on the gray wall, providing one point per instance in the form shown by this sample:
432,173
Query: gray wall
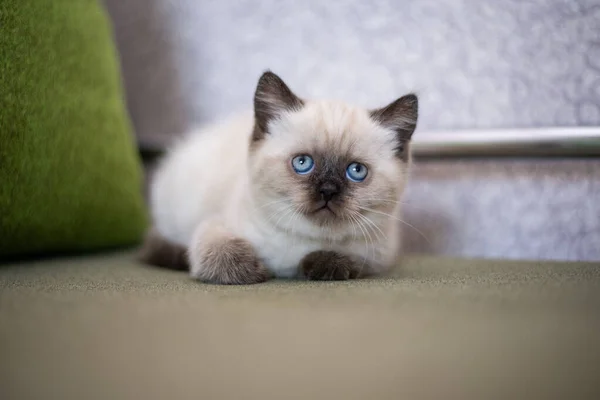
474,63
498,208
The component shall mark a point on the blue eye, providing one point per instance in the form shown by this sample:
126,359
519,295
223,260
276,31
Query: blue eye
303,164
356,172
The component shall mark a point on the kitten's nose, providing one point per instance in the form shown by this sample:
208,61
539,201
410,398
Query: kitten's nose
329,191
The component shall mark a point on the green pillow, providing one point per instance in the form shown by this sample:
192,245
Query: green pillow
70,176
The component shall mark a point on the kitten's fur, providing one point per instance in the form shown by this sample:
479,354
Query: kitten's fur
229,195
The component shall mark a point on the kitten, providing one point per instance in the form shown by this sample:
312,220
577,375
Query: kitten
299,187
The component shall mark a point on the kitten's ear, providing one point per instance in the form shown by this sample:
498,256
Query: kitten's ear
271,99
401,117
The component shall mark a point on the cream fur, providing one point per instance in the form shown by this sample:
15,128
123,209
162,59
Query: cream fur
214,181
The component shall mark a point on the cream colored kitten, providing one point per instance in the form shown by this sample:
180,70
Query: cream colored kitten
299,187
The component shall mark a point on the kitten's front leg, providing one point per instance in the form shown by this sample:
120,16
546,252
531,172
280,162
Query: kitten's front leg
325,265
218,257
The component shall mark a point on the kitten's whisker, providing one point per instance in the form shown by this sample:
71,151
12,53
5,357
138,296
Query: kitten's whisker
353,227
397,219
293,218
374,225
284,212
368,240
370,230
271,203
290,210
394,202
352,216
275,213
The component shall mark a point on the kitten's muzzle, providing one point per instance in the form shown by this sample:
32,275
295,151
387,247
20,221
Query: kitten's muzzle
329,194
324,206
326,202
324,212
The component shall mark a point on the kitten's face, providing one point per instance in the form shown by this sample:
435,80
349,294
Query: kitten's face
324,164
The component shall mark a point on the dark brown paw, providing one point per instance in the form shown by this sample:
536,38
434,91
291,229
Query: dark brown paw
158,251
230,262
328,266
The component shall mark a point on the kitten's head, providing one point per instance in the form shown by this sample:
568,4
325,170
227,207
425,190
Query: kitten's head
323,164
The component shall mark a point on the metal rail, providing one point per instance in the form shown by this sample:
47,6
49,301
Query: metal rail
575,141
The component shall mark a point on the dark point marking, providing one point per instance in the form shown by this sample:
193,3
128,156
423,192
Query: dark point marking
231,262
329,173
328,266
158,251
271,98
400,116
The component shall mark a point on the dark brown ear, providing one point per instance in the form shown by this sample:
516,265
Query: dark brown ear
271,99
401,117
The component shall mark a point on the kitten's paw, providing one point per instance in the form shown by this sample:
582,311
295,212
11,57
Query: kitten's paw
230,261
158,251
328,266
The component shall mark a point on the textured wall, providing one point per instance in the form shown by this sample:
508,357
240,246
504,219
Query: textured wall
525,209
511,63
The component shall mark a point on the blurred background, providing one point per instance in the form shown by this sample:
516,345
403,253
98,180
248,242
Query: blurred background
499,83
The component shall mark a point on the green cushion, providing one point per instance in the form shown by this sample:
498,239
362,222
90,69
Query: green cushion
70,177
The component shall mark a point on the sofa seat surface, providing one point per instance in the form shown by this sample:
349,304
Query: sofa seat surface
106,327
